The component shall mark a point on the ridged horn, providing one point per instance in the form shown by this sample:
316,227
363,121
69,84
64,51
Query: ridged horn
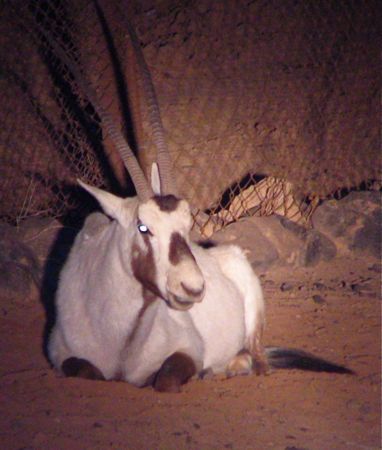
163,156
142,187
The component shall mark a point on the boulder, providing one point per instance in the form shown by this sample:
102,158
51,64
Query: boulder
19,267
313,247
272,240
249,236
352,223
39,233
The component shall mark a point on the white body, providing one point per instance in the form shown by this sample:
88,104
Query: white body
103,317
135,290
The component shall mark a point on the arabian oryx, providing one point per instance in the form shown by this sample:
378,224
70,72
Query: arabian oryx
139,301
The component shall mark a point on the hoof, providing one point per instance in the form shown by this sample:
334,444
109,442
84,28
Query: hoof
81,368
242,364
261,367
176,370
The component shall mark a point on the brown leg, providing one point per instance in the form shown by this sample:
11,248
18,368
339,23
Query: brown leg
256,349
176,370
260,364
78,367
241,364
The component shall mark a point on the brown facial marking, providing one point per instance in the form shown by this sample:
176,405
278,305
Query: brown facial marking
176,370
81,368
167,203
143,266
179,249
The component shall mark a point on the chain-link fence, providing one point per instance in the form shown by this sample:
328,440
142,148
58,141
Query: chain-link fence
268,106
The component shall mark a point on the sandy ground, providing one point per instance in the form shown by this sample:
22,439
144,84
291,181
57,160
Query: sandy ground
332,310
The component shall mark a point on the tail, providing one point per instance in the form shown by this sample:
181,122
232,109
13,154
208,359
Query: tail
290,358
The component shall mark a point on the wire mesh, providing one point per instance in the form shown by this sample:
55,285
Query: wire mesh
268,106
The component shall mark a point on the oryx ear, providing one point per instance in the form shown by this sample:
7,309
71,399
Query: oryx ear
111,204
155,179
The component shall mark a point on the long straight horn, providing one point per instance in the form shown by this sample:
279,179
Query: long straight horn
168,185
143,189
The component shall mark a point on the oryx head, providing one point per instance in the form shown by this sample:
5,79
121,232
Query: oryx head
162,259
158,224
156,245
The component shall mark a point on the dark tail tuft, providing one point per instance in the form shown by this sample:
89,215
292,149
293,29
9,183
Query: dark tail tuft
290,358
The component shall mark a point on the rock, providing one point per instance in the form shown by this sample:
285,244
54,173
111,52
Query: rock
352,223
39,233
362,287
276,240
315,246
319,286
363,201
356,288
298,230
15,280
23,253
333,219
262,253
318,248
344,227
19,267
286,287
289,245
367,239
318,299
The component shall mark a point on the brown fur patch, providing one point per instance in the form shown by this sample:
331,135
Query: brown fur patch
148,298
143,266
81,368
241,364
179,249
256,349
176,370
167,203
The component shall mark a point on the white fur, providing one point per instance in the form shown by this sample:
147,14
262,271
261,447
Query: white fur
99,299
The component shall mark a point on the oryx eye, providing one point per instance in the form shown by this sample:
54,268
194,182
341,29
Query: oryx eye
143,228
